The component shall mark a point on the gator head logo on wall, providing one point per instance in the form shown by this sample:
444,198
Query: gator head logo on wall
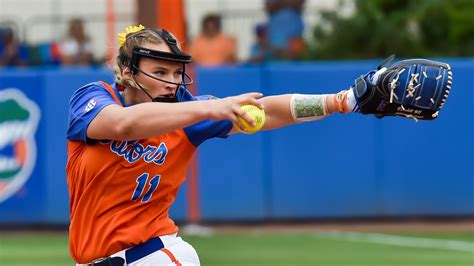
19,117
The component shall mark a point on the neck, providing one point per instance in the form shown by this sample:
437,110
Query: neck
132,96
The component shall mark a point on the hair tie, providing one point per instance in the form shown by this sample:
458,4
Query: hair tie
122,37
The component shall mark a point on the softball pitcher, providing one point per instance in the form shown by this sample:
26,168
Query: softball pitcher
129,144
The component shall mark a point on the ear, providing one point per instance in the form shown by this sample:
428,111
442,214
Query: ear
126,73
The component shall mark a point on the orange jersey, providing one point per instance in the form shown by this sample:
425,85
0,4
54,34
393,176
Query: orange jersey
121,191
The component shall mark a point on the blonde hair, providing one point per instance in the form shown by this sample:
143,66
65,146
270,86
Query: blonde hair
139,38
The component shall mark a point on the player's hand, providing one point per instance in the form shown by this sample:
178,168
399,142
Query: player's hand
229,108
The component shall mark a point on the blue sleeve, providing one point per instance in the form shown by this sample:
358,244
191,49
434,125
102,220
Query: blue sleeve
207,129
84,106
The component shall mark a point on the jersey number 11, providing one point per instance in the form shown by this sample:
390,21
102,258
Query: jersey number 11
141,182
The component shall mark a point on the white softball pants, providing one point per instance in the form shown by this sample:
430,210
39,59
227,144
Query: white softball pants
172,251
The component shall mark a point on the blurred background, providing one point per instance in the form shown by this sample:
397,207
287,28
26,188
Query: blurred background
348,190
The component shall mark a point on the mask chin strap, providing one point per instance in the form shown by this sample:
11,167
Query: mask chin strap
163,99
159,99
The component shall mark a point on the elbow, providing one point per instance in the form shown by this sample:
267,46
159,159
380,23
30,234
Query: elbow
123,129
123,132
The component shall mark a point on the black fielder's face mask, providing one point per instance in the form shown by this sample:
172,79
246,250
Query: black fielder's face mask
175,56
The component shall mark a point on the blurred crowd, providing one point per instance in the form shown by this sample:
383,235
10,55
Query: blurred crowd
280,37
74,49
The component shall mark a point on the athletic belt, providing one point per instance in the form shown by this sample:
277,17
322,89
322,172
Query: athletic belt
132,254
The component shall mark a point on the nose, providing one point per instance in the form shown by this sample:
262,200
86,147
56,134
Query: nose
170,87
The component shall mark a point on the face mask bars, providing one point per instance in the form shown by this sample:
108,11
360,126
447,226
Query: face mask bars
175,56
186,80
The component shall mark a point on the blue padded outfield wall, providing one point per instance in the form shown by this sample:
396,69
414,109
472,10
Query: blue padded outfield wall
340,167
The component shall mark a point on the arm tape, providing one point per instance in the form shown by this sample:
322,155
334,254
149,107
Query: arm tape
308,107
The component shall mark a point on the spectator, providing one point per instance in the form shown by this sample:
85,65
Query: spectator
285,28
76,49
260,50
213,47
11,52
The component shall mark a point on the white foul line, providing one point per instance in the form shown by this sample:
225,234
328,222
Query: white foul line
404,241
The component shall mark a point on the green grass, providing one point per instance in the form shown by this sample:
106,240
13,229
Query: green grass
251,249
34,249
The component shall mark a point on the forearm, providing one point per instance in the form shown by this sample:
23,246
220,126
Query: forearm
283,110
277,111
145,120
155,119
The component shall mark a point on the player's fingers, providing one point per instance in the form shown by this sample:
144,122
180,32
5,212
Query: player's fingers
243,98
251,98
254,95
238,110
257,103
237,123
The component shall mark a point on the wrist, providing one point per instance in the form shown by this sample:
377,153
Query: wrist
338,103
331,107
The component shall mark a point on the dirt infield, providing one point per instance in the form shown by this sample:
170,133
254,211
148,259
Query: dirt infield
461,225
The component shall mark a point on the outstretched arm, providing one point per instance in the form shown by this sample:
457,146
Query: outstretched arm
154,119
283,110
413,88
287,109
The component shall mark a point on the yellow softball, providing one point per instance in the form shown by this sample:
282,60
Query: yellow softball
257,114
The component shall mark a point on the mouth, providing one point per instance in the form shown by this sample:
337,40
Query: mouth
169,95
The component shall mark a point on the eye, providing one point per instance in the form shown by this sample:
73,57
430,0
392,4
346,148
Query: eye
159,73
178,73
